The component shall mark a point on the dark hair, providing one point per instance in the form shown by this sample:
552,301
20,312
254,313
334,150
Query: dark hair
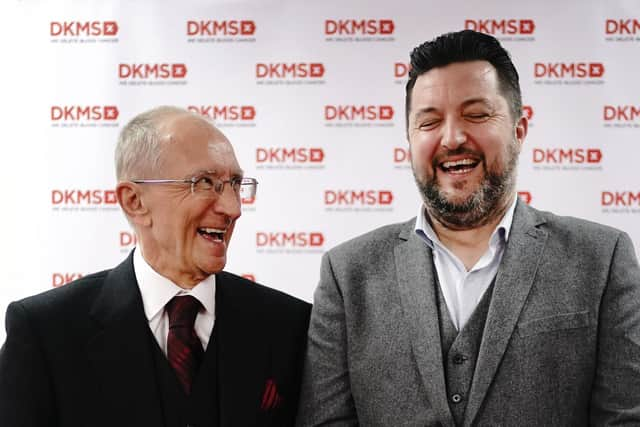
463,46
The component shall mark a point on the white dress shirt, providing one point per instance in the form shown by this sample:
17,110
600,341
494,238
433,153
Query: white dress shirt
157,291
463,289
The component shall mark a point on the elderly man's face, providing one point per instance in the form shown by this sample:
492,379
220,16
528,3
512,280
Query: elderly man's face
464,144
189,233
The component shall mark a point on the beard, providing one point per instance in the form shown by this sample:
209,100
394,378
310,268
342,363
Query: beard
486,203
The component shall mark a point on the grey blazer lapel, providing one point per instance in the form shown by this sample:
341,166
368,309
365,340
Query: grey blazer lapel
513,283
415,274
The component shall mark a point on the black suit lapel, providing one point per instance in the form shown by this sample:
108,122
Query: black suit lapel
244,353
120,353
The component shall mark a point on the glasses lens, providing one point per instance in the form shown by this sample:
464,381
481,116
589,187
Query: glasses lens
248,188
204,184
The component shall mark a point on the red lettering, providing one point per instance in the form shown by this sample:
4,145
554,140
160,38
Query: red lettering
573,70
620,198
621,112
400,70
292,70
61,279
525,196
357,197
86,29
501,26
292,155
289,239
358,112
128,238
401,155
362,27
152,71
622,26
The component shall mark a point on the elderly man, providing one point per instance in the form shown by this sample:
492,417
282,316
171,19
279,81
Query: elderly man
166,338
482,311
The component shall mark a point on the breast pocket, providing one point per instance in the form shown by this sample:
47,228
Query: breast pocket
580,319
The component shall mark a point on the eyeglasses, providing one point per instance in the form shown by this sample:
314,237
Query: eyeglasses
209,185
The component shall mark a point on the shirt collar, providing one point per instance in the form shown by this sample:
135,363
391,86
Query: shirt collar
157,290
424,230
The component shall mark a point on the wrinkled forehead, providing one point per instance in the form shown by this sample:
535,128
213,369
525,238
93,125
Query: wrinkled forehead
191,143
469,78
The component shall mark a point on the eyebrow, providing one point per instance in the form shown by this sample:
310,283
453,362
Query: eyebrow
483,101
465,104
237,174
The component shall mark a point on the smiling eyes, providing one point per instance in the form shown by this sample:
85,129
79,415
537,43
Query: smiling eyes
429,123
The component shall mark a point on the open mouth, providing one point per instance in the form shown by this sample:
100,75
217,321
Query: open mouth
459,166
212,234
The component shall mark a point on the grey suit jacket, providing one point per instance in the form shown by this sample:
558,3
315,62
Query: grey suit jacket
561,344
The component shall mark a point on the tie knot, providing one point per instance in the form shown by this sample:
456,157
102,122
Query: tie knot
182,311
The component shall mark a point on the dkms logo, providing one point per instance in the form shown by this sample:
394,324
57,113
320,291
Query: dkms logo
567,159
622,30
290,73
84,116
227,115
358,200
289,241
401,72
127,240
161,73
359,30
248,204
528,112
620,201
84,200
621,116
358,115
504,29
289,158
401,158
216,31
62,278
85,32
568,73
525,196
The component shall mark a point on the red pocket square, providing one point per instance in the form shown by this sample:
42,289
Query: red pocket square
270,399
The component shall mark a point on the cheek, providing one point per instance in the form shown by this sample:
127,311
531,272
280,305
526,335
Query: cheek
422,150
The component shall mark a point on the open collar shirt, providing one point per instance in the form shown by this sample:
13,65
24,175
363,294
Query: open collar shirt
462,289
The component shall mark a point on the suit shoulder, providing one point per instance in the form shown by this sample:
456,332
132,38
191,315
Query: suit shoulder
577,237
376,239
250,290
579,228
77,293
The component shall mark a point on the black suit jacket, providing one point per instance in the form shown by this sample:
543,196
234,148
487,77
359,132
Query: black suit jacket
80,355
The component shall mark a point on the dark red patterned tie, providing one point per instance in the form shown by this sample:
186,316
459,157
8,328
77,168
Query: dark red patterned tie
184,349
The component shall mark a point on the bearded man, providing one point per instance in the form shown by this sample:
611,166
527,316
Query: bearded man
481,310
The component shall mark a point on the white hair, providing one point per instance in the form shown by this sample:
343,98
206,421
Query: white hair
139,144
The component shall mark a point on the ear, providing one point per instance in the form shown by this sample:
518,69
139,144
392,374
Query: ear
130,200
521,129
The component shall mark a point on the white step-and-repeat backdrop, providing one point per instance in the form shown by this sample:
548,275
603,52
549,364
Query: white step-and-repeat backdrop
311,95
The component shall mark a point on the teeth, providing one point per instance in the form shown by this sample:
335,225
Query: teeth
212,233
463,162
212,230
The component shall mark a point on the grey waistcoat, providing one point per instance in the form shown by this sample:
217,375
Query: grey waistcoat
460,350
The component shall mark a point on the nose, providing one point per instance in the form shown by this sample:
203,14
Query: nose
228,203
453,135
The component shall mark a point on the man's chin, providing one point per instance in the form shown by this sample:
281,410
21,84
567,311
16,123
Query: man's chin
210,267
